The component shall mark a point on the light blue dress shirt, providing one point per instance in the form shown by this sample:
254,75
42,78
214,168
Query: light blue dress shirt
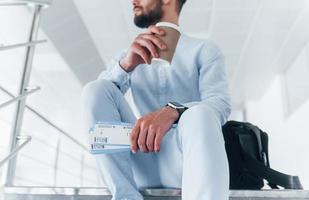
192,154
196,76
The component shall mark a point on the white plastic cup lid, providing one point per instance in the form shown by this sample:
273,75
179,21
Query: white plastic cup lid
169,24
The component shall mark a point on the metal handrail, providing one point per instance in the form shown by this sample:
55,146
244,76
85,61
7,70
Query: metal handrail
25,44
50,123
44,3
28,92
161,193
17,149
9,169
14,4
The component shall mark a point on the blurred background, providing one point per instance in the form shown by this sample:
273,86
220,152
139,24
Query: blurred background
265,43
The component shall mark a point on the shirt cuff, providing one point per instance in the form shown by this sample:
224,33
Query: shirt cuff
119,75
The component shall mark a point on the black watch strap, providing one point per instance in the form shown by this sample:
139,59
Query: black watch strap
179,107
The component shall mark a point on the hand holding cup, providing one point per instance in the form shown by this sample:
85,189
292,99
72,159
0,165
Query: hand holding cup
144,48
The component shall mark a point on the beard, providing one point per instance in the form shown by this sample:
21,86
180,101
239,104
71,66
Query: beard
150,18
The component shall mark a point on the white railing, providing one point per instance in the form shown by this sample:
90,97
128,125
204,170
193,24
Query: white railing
59,131
9,162
25,44
16,150
44,3
22,96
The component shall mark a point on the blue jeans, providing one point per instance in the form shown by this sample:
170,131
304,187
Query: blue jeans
192,155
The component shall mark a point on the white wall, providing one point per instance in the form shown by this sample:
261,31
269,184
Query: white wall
283,112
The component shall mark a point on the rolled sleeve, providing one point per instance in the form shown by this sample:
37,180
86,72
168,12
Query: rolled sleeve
117,74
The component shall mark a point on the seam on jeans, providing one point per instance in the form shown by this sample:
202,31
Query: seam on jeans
178,139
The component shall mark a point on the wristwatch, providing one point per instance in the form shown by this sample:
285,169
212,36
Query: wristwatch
177,106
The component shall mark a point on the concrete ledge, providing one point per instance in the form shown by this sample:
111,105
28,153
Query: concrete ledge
64,193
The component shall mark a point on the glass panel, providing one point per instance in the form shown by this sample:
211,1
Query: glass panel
69,164
59,97
11,68
15,25
90,174
58,101
41,163
36,162
6,118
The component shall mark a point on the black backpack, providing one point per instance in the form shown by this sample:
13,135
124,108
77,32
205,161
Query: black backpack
247,150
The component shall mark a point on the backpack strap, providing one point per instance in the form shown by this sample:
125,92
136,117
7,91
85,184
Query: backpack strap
272,176
257,133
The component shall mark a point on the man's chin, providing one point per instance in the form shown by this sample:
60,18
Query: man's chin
139,22
142,21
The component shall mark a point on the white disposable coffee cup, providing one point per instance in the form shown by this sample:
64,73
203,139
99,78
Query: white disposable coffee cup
171,37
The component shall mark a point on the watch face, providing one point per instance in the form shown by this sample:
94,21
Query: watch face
177,105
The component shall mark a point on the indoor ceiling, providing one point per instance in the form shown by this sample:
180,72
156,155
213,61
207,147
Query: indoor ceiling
259,38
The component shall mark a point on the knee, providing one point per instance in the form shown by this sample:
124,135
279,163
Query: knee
200,120
199,114
97,88
200,124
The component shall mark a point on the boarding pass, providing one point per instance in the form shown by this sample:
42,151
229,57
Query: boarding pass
110,137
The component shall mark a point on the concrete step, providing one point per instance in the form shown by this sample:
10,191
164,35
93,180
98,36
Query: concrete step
64,193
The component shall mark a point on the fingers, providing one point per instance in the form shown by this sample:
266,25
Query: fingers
146,136
133,137
155,40
158,139
145,139
150,138
155,30
139,50
146,45
138,137
142,138
149,45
